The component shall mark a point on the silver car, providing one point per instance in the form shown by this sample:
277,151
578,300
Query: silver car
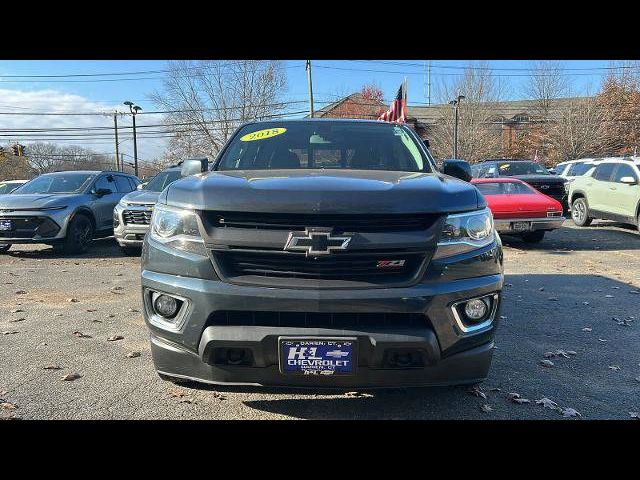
64,209
132,215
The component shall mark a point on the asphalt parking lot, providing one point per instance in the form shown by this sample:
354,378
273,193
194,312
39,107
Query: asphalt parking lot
573,297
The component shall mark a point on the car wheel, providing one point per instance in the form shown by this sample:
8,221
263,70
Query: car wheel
533,237
79,235
580,213
131,251
4,247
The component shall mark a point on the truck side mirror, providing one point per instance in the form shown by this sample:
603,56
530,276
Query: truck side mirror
193,166
457,168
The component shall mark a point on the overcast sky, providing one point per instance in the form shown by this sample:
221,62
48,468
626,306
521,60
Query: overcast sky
331,78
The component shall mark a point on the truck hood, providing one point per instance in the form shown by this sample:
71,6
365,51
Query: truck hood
143,197
324,191
36,201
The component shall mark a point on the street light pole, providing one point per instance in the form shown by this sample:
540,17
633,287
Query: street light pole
115,129
308,68
456,104
134,109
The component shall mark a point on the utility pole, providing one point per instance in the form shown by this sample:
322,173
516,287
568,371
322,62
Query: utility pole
456,104
310,88
134,109
115,129
429,84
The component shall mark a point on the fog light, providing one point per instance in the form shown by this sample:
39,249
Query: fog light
476,309
166,306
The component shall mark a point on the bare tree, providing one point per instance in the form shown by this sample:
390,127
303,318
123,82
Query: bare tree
209,99
478,136
546,83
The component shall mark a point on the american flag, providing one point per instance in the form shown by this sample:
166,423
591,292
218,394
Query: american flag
398,109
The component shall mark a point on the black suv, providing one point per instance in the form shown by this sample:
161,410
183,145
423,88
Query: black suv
326,253
528,171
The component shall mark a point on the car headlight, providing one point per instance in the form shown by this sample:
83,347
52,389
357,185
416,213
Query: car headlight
464,232
177,228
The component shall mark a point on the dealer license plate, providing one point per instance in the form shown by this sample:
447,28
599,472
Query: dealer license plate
318,356
6,225
521,226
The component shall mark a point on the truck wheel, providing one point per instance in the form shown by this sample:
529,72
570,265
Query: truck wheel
580,212
79,235
4,247
533,237
131,251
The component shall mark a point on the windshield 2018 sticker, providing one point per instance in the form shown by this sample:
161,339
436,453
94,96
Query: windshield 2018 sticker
262,134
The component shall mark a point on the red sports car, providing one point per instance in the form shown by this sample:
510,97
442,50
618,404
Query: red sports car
519,209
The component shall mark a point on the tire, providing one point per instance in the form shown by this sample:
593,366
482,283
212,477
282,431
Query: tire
580,212
79,235
131,251
4,247
533,237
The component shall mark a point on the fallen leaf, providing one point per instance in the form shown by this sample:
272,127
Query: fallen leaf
79,334
21,292
547,363
16,320
608,296
637,379
562,353
495,389
548,354
547,403
585,303
8,406
570,412
614,367
517,398
134,310
113,338
552,299
9,332
72,300
52,366
541,289
587,329
476,391
636,292
635,415
16,310
571,352
133,354
602,340
178,393
70,377
92,310
486,408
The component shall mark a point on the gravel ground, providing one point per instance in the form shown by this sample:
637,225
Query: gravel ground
571,293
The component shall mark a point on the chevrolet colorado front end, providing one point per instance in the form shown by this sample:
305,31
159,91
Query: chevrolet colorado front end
323,253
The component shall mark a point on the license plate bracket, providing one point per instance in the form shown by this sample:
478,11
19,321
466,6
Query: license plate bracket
318,356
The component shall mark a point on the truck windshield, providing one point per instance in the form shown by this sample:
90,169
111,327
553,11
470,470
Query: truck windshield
67,182
160,181
324,145
521,168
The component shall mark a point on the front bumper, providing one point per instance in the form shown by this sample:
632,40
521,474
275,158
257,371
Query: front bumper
34,227
129,234
549,223
452,356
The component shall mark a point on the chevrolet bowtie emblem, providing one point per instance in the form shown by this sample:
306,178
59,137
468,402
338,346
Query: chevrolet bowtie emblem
315,242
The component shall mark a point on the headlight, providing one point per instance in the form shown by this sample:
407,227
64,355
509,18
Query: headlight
177,228
464,232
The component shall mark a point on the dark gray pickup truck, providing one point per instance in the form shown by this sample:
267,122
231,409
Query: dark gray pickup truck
323,253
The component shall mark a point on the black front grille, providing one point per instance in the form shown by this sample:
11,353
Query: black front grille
338,222
555,191
316,319
29,227
137,217
367,267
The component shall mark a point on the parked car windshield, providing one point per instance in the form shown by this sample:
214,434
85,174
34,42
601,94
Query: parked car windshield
67,182
161,180
521,168
580,169
324,145
8,187
504,188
